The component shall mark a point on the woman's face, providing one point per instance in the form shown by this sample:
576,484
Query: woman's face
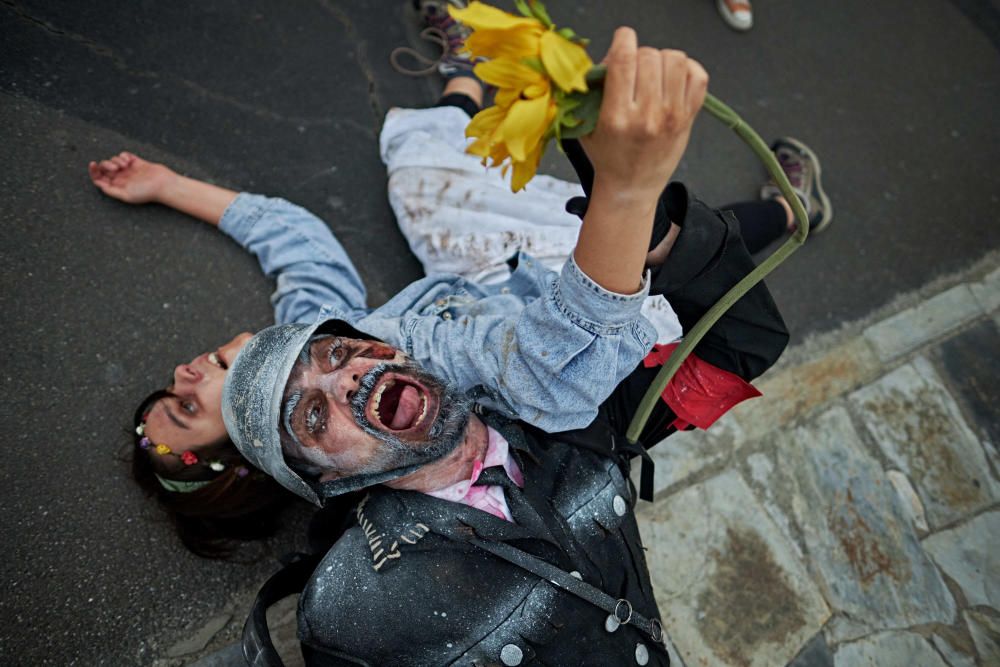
190,418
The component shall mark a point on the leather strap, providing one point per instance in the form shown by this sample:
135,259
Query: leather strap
620,608
258,650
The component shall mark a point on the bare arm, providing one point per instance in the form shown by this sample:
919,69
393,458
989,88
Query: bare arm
651,99
131,179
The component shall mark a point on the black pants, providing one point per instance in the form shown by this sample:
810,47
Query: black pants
761,222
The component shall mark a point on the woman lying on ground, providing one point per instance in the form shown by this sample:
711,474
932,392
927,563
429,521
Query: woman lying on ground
456,217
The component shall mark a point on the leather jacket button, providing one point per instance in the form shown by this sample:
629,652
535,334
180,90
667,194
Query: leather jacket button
511,655
641,654
619,506
611,623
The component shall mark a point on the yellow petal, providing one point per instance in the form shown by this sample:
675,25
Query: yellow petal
537,89
506,96
517,43
507,73
567,63
493,153
525,170
524,126
480,147
484,123
498,153
483,17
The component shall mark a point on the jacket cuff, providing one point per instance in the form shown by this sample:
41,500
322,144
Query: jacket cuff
242,214
593,307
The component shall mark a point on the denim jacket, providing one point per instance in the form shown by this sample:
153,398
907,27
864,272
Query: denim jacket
503,343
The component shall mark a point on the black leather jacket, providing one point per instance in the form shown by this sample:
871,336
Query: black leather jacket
404,587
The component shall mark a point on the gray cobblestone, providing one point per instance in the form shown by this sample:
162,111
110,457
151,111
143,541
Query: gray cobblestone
909,499
684,455
815,654
920,430
908,330
733,589
857,535
953,656
970,554
987,291
985,631
889,649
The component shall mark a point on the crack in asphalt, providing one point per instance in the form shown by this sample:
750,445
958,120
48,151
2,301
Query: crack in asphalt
360,51
123,65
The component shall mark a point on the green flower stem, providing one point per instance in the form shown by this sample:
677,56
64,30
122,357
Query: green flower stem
732,120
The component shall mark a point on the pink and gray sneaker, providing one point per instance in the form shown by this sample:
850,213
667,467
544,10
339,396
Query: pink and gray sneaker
801,166
444,33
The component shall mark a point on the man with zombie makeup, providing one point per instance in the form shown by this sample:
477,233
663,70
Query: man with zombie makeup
498,526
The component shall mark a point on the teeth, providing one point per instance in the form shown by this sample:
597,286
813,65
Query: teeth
423,410
214,358
378,396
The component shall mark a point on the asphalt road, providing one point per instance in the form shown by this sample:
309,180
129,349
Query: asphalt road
100,299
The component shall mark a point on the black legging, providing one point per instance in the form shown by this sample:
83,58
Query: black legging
761,222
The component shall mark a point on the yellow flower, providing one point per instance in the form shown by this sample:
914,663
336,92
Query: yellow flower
515,126
524,57
163,450
512,137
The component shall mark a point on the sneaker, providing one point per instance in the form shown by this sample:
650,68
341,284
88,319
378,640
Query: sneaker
802,168
738,14
445,33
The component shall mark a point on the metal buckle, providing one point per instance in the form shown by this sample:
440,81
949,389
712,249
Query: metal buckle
628,608
656,631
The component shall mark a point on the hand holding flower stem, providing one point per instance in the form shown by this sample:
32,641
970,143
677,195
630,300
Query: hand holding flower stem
651,98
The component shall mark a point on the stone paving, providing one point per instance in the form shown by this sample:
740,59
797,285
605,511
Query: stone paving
850,516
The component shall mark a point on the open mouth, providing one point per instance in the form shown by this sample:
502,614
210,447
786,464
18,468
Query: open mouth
401,405
216,359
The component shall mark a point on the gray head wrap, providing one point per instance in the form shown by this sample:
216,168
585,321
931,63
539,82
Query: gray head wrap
252,407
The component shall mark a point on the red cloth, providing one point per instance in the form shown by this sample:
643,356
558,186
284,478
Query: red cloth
699,393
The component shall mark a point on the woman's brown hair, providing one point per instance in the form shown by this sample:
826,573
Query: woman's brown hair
239,503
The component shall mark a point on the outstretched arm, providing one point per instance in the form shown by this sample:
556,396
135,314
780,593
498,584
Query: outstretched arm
292,245
129,178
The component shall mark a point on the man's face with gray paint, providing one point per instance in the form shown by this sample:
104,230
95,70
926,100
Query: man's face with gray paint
357,406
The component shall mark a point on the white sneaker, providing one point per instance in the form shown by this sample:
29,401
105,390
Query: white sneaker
738,14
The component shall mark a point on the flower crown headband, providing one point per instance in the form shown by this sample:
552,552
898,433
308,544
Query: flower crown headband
189,458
